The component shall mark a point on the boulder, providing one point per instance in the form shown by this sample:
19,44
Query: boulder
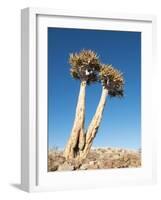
65,167
53,168
84,167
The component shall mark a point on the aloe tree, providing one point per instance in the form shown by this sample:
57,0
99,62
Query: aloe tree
84,67
112,85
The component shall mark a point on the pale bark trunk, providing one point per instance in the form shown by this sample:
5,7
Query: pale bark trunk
77,138
94,125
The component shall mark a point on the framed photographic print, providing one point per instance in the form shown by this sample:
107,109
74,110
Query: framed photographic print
87,117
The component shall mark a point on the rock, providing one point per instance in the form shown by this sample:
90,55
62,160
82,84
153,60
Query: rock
124,165
116,156
84,167
116,164
92,162
101,151
105,164
53,168
65,167
93,155
85,161
101,164
74,163
90,165
105,156
109,164
95,166
132,156
61,160
125,157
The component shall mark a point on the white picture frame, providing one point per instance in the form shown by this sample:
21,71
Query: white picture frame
34,175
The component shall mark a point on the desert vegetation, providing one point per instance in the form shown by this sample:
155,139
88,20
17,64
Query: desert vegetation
86,67
97,158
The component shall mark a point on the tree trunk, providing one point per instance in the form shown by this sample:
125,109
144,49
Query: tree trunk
94,125
77,138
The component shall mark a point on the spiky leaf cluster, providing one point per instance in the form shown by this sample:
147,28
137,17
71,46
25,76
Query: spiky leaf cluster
112,79
84,65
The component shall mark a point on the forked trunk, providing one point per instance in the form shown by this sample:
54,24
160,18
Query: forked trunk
94,125
77,138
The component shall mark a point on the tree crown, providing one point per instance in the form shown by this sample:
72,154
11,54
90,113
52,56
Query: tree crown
85,65
112,79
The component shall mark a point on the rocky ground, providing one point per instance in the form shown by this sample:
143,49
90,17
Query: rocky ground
100,158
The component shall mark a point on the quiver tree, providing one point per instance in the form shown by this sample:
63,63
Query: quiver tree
112,85
84,67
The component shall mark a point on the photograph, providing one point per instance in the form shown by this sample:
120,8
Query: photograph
94,99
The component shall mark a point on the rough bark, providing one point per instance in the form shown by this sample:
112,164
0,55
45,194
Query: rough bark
94,125
76,140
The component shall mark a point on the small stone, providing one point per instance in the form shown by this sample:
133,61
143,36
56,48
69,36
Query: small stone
126,158
74,163
84,167
92,162
61,160
53,168
65,167
116,156
93,166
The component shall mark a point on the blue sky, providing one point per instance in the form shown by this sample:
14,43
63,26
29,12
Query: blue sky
121,123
